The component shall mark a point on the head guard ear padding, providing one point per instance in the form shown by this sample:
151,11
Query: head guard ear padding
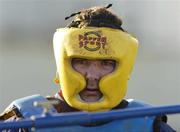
94,43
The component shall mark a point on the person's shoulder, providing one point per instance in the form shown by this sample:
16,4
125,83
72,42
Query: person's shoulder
160,125
20,106
164,127
13,112
160,122
10,113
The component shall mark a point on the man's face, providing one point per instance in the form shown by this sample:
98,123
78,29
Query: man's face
93,71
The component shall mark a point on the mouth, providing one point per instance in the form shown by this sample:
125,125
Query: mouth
82,100
92,92
90,95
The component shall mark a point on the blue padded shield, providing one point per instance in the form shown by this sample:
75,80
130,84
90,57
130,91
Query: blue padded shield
142,124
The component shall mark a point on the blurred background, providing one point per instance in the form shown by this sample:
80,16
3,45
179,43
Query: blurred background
27,64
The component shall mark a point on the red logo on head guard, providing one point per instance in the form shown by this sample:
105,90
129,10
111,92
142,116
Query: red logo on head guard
92,41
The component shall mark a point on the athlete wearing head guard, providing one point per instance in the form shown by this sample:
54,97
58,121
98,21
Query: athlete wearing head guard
94,58
94,43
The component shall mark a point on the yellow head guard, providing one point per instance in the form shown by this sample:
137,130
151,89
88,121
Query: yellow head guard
94,43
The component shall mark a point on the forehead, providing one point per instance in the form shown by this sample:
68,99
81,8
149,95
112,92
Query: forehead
91,50
93,43
96,43
93,60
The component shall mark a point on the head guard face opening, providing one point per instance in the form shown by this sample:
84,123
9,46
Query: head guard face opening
94,43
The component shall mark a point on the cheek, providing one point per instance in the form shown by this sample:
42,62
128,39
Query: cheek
107,70
80,69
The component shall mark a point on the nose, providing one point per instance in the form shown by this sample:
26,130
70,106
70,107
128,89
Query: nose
93,72
92,76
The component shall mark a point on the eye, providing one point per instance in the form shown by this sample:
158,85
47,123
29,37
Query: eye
79,65
79,61
110,63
